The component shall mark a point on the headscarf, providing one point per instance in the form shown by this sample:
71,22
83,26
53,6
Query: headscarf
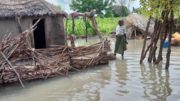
121,20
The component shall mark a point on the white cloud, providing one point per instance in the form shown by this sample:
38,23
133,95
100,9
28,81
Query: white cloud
63,3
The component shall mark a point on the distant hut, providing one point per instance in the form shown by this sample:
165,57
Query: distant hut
136,25
50,30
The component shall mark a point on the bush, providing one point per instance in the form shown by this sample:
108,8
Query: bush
109,14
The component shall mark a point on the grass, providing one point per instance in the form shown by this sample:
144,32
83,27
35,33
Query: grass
105,26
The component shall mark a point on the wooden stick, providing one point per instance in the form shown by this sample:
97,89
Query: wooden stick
169,39
86,28
145,38
10,34
91,60
5,35
13,69
66,32
2,74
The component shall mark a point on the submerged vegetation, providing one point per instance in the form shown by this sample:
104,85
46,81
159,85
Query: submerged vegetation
105,26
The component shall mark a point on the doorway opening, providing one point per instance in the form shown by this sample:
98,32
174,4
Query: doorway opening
39,35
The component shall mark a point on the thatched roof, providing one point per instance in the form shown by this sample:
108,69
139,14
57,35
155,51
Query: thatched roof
28,8
139,22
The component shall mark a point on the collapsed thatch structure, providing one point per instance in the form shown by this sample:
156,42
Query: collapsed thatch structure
136,25
24,13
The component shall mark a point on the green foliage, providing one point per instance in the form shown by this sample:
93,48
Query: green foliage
105,26
177,15
88,5
120,11
80,27
139,10
109,14
100,16
155,7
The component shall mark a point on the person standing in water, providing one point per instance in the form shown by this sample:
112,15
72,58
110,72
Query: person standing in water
121,41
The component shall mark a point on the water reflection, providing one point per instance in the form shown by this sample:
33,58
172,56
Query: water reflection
121,80
157,86
89,90
122,75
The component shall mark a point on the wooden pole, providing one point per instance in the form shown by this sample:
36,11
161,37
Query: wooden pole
135,34
69,56
93,21
86,28
90,16
169,40
149,48
154,47
162,38
17,19
159,31
13,69
145,38
154,38
66,31
73,25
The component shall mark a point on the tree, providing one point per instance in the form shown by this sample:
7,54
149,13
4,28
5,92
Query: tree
120,11
88,5
163,13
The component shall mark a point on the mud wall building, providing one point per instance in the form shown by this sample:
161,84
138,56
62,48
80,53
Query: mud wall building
50,29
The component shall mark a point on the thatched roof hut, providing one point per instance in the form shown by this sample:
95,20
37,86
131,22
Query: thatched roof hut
136,22
50,29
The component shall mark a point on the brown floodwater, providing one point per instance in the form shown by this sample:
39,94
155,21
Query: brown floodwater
121,80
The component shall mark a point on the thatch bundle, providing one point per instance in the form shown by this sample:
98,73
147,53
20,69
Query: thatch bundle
28,8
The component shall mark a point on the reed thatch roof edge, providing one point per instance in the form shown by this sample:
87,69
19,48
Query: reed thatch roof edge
28,8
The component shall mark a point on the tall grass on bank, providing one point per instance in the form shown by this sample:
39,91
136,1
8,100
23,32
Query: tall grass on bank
105,26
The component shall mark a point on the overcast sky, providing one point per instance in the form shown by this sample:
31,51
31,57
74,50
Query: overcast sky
65,4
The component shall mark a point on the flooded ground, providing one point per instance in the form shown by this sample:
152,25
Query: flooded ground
121,80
